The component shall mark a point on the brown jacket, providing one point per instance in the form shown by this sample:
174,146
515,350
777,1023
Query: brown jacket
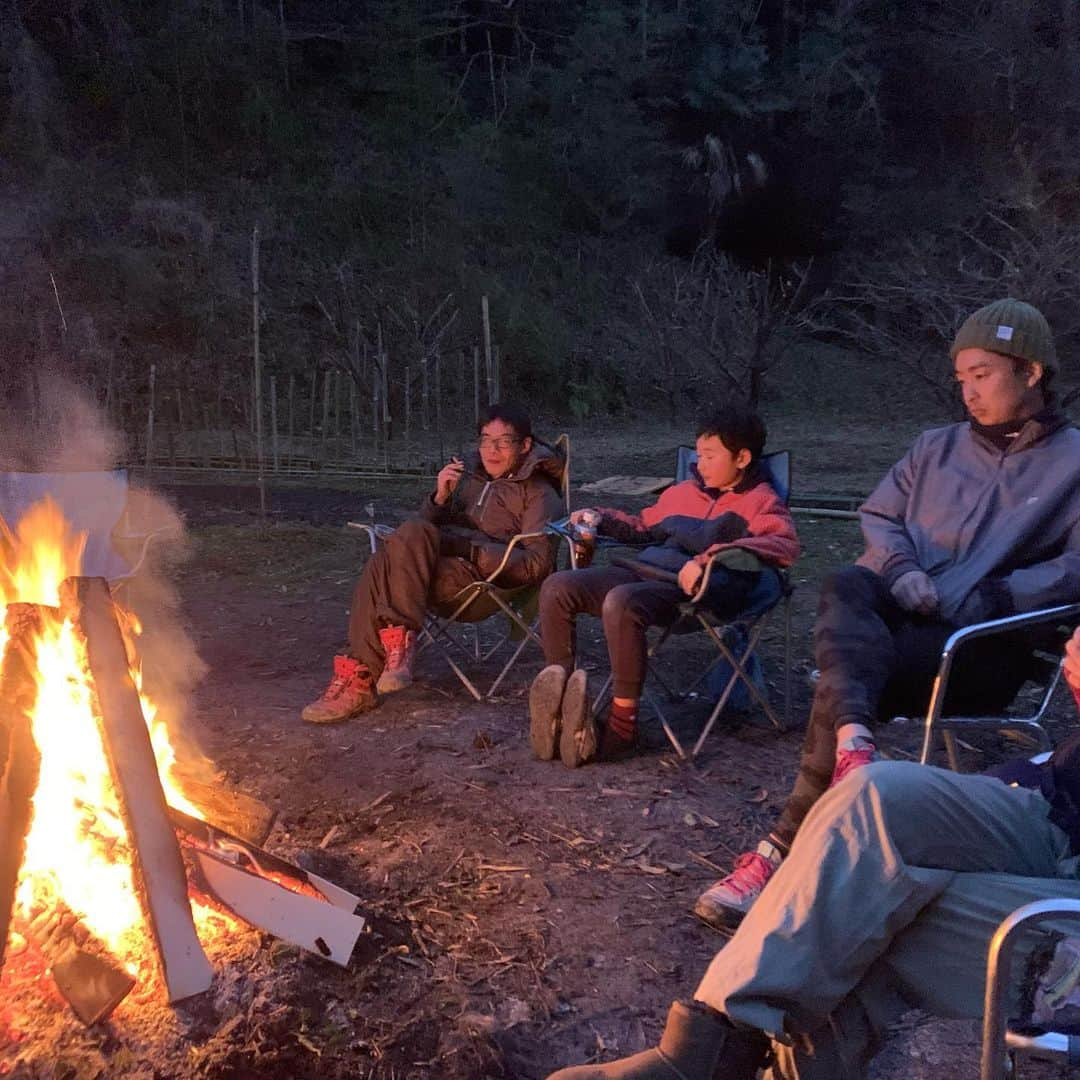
489,512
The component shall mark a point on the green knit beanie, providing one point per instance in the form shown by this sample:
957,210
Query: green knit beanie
1012,328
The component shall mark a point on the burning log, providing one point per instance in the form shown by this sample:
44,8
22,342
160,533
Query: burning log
19,757
236,812
159,866
91,981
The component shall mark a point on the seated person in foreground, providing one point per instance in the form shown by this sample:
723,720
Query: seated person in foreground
510,486
888,900
728,507
978,520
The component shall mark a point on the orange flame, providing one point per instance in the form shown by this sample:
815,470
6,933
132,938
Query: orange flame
77,850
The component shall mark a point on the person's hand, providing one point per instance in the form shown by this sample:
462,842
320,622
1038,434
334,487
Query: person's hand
914,591
577,515
448,479
1072,661
690,576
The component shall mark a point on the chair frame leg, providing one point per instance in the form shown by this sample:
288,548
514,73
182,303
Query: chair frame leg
437,627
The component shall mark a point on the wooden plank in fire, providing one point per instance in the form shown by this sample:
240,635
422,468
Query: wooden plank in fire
320,927
19,757
209,836
158,863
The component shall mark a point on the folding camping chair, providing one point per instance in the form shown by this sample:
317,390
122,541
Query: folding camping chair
94,503
1042,667
1001,1040
480,600
735,637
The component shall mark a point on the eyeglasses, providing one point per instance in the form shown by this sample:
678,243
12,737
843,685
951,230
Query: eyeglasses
503,442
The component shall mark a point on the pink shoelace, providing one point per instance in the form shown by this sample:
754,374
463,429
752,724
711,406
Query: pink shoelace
752,871
847,761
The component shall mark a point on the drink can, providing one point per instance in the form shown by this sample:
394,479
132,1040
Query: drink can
585,539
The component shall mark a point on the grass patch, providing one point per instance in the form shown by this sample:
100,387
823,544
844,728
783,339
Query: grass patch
287,553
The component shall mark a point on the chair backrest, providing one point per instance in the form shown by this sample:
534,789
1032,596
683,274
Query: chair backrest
562,447
776,467
92,502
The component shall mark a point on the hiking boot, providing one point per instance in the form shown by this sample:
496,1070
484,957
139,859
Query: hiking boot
852,755
578,740
351,692
399,648
545,706
723,904
697,1044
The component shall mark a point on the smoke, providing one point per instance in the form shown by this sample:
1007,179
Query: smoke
54,427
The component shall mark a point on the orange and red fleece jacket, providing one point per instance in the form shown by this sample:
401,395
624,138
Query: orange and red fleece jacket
692,521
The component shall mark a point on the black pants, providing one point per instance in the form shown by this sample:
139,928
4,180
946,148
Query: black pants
628,606
403,579
875,658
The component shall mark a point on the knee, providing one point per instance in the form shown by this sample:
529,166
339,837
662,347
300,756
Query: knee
557,592
887,784
414,529
618,604
849,585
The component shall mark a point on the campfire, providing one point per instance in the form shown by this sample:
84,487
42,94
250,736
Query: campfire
115,870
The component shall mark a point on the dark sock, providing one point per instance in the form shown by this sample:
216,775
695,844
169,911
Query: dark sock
622,720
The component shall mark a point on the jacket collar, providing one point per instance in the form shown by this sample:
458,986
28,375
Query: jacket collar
1033,430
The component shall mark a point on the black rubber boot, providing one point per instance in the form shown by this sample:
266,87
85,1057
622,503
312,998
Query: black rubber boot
697,1044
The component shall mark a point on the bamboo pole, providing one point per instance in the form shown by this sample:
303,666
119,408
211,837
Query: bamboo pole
337,405
206,439
354,424
150,423
386,409
290,448
258,367
485,315
425,408
408,413
438,403
273,423
325,415
476,385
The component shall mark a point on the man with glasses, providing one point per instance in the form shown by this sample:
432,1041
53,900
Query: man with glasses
509,486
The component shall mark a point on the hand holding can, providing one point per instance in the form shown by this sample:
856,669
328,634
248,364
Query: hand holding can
584,541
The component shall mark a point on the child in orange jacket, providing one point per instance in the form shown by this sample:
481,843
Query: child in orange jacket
726,506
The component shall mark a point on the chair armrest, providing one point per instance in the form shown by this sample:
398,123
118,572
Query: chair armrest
375,533
998,963
970,633
514,541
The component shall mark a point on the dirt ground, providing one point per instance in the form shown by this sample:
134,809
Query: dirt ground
522,915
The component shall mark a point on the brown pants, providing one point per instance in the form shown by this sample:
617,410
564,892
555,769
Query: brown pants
400,582
628,606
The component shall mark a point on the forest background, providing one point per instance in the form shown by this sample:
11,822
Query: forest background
662,200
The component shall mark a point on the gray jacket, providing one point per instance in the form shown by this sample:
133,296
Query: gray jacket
980,521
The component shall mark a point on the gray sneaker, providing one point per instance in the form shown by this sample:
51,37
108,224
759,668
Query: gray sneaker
545,704
723,904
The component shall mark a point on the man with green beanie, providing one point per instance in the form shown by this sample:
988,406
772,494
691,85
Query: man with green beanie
979,520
